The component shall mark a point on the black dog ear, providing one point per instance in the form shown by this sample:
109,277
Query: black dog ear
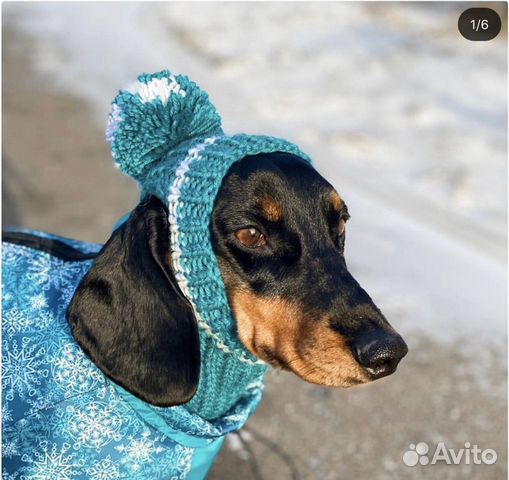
130,317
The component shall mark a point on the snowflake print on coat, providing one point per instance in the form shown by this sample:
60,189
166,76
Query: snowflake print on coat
62,418
23,368
15,322
73,372
103,470
52,461
139,451
38,301
10,448
96,425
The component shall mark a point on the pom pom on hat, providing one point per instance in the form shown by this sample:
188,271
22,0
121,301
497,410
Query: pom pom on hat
153,116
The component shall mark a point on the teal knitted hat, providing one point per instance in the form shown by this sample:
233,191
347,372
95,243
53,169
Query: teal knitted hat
166,134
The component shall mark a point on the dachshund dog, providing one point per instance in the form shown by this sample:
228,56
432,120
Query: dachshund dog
278,232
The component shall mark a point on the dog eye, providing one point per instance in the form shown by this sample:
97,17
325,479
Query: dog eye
251,237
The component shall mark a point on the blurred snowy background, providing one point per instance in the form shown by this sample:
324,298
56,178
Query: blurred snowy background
402,114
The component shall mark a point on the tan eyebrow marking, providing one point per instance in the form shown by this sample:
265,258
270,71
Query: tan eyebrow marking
337,201
271,209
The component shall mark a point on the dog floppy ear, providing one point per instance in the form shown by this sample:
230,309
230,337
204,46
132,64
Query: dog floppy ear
130,317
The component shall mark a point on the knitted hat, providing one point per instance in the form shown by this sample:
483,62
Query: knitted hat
166,134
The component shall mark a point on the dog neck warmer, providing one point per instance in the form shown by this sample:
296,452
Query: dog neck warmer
166,134
62,418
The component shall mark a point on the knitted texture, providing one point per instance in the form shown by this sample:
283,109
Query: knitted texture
186,173
156,114
62,417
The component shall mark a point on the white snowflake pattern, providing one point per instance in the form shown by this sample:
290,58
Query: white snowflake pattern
95,425
73,372
38,301
28,432
8,476
198,425
140,451
22,368
48,332
181,461
93,433
7,297
6,414
44,320
14,255
15,321
54,463
54,273
39,269
40,402
10,448
103,470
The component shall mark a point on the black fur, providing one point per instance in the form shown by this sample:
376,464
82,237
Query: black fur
130,317
303,260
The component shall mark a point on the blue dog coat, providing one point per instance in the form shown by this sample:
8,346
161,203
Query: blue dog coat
62,418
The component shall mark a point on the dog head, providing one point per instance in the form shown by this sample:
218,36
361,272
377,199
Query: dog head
278,233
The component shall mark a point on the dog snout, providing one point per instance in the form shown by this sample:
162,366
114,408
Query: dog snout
379,352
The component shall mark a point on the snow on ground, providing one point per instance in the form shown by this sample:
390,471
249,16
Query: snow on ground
402,114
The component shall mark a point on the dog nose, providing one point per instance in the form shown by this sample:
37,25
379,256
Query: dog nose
379,352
